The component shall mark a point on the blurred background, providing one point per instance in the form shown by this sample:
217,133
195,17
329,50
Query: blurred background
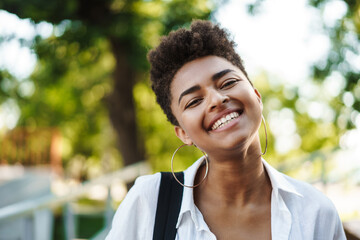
79,122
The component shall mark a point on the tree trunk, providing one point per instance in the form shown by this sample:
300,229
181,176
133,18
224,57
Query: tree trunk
122,107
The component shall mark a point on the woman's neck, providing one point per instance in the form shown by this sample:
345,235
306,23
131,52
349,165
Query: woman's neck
238,181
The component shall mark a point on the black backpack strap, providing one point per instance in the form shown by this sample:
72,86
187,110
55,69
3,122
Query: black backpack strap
168,206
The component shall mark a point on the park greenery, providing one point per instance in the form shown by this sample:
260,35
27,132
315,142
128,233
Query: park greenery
91,81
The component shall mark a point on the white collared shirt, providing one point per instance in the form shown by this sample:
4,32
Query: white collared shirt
298,211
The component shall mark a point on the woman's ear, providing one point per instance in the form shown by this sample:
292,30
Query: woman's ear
258,97
182,135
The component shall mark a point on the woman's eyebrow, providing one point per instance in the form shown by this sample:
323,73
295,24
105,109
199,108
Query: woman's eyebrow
220,74
214,77
188,91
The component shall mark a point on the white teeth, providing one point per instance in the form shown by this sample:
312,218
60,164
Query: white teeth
224,120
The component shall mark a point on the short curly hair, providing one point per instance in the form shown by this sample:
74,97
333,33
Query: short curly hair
181,46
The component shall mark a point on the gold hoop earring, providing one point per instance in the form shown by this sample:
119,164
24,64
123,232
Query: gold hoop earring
266,137
172,168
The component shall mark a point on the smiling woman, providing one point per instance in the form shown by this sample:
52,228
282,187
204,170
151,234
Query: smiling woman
204,90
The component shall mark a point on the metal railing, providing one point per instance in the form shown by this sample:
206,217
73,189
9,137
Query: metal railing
33,209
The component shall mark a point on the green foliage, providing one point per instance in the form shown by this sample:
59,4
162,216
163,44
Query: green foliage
344,35
52,11
71,83
8,86
342,58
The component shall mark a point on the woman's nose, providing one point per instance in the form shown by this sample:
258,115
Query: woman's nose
217,99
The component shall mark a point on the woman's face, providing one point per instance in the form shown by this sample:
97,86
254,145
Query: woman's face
216,106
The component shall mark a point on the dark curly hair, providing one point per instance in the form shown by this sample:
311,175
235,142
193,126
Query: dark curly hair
181,46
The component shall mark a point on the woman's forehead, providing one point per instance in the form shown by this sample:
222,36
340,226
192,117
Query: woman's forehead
203,66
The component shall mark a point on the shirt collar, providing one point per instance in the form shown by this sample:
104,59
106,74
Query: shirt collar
278,182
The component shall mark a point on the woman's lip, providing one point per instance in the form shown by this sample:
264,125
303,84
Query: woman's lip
222,114
228,125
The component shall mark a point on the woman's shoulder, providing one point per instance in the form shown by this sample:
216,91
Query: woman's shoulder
315,210
134,219
298,192
312,196
142,195
148,179
146,186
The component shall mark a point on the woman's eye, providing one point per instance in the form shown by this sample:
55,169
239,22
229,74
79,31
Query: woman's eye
193,103
228,83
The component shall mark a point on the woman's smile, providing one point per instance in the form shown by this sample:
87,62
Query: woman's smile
225,121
